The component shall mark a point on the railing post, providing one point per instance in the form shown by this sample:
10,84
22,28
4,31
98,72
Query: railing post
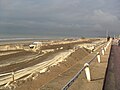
98,57
87,71
13,78
105,48
103,52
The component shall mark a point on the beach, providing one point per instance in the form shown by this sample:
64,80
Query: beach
41,62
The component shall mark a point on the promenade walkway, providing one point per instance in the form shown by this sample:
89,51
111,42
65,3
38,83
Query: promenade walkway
112,80
97,73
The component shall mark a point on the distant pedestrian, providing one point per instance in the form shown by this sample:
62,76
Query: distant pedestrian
108,38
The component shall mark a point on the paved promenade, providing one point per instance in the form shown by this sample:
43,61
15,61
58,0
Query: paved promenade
112,80
97,73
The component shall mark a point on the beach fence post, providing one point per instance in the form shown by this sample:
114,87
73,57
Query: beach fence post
87,71
98,57
103,52
105,48
13,76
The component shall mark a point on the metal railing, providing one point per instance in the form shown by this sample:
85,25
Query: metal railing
86,66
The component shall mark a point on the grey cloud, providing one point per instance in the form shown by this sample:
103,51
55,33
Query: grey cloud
57,16
104,17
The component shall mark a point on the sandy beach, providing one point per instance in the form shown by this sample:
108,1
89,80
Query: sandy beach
41,64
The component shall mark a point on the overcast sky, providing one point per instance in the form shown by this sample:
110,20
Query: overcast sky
59,17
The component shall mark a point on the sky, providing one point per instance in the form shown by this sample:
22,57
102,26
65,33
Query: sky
59,18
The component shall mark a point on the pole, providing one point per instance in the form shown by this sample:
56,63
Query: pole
98,57
87,72
13,78
103,52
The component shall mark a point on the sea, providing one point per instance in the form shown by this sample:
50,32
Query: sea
5,38
8,37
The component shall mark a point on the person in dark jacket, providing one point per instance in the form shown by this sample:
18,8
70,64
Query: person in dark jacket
118,42
108,38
